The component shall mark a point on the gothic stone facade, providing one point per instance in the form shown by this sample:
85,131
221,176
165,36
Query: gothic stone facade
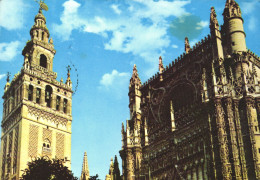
199,117
37,108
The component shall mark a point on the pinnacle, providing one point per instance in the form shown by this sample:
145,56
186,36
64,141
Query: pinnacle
213,18
85,170
135,80
161,68
187,45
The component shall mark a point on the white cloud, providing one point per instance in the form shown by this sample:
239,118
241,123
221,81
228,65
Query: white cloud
2,76
12,14
115,83
9,50
252,23
202,24
70,20
116,9
140,30
175,46
109,80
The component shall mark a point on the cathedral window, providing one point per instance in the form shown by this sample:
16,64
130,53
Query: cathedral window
43,61
30,93
58,103
65,103
48,95
42,35
38,95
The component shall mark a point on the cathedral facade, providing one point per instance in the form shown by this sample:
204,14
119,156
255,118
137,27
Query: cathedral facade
199,117
37,108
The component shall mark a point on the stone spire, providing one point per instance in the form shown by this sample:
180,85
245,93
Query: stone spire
216,36
135,80
85,170
116,169
111,168
213,19
187,45
134,93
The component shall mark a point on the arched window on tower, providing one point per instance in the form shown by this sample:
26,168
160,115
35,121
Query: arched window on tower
42,35
48,95
58,103
65,103
30,93
43,61
38,95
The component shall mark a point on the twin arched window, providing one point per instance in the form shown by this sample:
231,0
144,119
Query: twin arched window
46,146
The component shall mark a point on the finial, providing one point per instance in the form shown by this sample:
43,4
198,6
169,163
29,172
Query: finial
8,76
213,19
135,80
68,81
61,80
123,127
187,45
161,68
68,68
51,41
43,6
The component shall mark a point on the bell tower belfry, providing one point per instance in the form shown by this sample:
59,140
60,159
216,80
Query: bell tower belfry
37,116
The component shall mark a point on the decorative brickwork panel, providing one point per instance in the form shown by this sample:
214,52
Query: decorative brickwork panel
33,140
15,149
9,155
47,134
60,138
47,116
12,119
4,158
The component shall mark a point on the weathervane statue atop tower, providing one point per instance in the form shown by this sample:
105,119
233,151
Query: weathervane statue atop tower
43,6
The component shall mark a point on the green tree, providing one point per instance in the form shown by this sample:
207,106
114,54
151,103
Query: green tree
94,177
45,169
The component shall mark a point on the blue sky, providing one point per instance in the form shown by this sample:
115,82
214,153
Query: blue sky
102,40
